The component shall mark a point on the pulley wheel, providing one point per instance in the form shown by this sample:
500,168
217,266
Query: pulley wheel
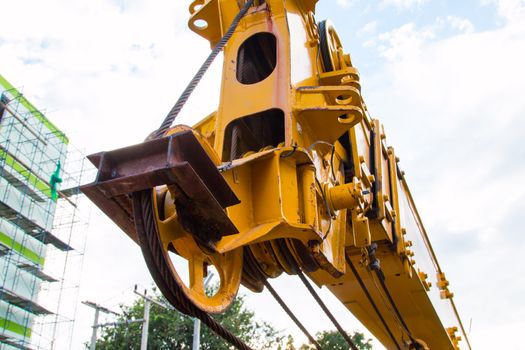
160,235
330,46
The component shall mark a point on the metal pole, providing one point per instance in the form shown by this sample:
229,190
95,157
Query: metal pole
93,344
197,323
98,308
196,334
145,326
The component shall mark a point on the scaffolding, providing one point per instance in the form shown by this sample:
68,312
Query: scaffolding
42,230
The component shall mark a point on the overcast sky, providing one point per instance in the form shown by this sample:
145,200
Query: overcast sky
445,77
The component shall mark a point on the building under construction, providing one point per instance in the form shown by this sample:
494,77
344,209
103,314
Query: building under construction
41,236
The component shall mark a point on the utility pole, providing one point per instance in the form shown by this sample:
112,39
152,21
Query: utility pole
145,323
145,326
197,323
98,309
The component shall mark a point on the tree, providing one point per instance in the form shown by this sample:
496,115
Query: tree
170,329
333,340
289,344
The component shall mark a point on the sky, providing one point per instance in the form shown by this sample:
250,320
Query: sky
446,78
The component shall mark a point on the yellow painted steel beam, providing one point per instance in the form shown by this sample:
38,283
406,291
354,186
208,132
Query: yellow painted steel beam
309,163
318,187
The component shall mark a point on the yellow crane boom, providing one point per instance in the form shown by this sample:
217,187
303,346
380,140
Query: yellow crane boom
291,175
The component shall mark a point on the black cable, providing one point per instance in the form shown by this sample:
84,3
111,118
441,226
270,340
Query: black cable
290,153
154,254
332,164
323,194
328,211
327,312
168,121
369,297
376,267
291,315
381,279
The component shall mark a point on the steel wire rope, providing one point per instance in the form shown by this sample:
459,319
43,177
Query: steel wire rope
327,312
375,266
291,314
170,118
380,276
153,252
388,306
369,297
252,266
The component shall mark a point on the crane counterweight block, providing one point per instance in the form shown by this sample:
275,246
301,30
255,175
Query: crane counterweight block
178,161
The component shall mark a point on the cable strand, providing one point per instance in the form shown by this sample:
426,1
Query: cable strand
152,250
291,315
327,312
174,112
369,297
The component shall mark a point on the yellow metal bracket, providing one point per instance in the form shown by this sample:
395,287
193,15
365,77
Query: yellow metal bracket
424,279
350,196
455,338
443,284
329,111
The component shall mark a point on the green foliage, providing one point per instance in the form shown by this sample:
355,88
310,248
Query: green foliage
333,340
288,345
170,329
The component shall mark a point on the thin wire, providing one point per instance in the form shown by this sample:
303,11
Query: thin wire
311,147
369,297
323,194
332,165
290,153
396,314
328,211
388,306
332,146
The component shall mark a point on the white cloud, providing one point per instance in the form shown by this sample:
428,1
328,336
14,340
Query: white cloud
402,4
344,3
369,29
452,109
132,62
108,75
403,39
512,10
460,24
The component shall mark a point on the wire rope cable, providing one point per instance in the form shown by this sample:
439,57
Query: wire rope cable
174,112
381,278
323,306
152,249
375,266
142,207
291,315
369,297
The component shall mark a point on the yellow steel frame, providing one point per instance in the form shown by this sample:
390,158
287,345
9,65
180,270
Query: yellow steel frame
297,189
